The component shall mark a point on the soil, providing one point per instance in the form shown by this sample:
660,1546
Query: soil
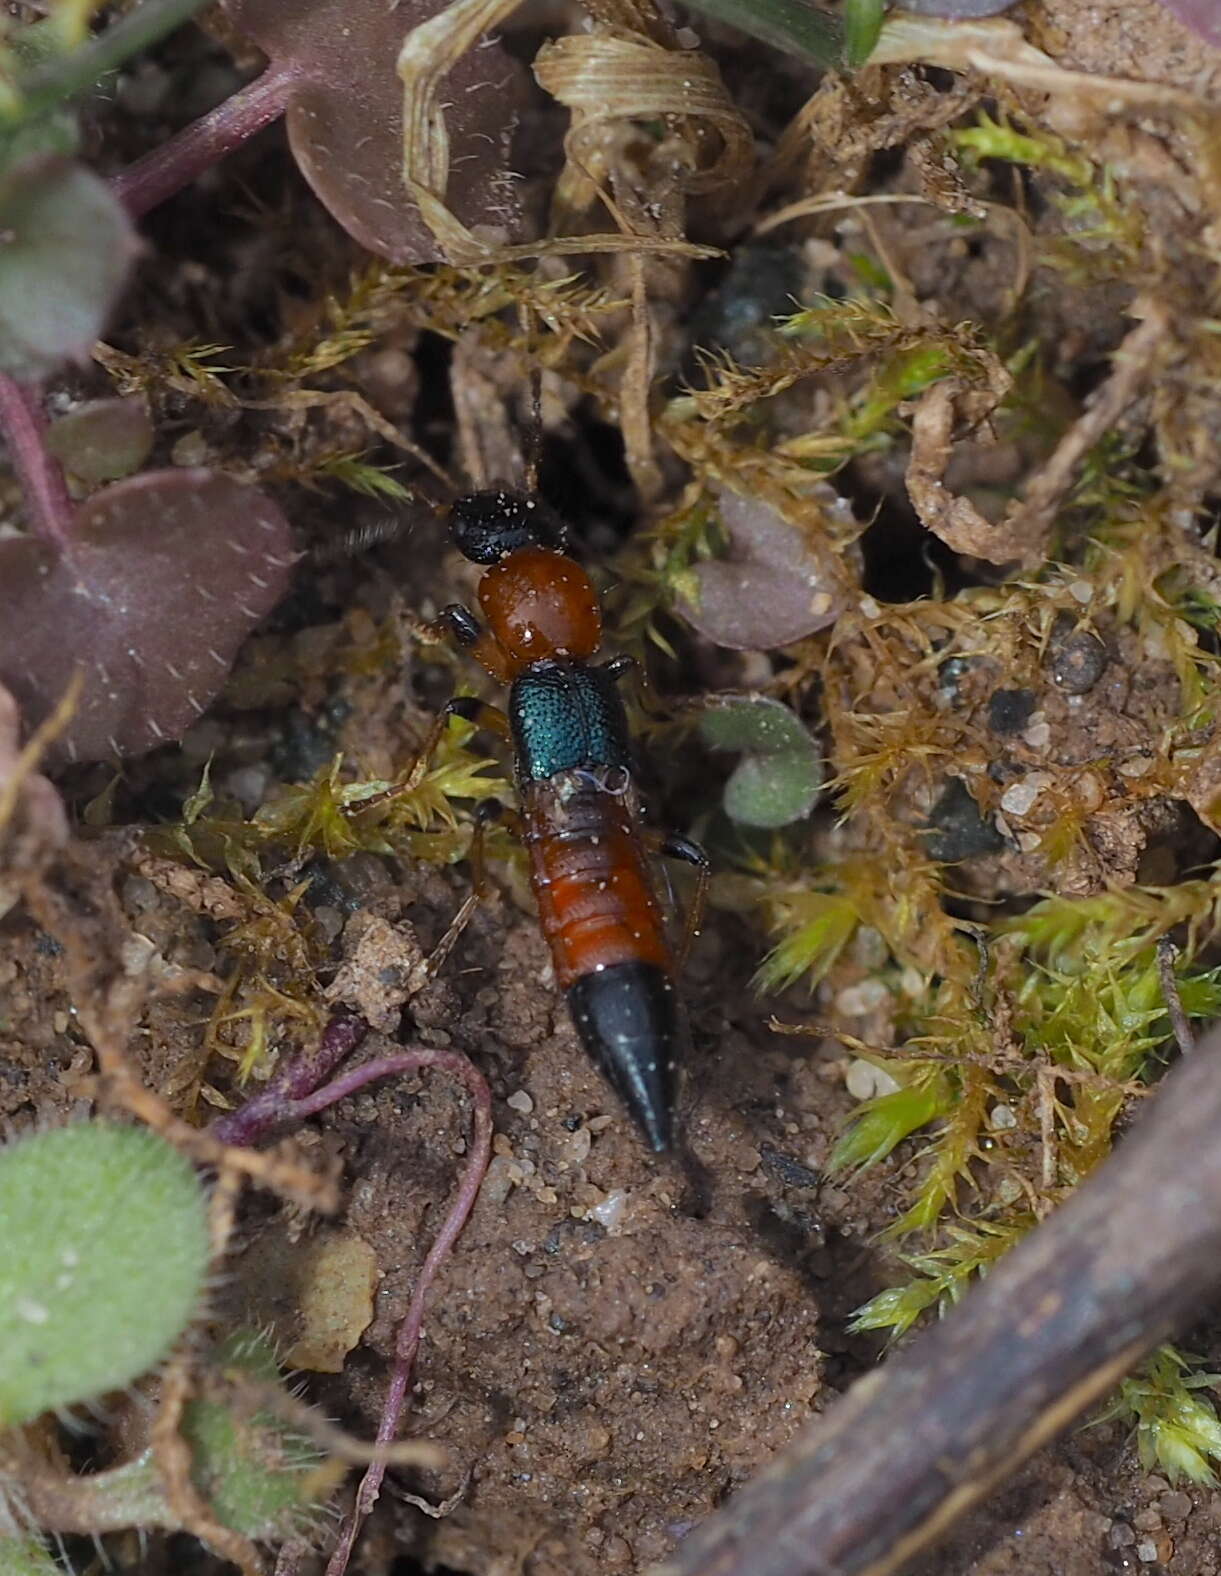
618,1340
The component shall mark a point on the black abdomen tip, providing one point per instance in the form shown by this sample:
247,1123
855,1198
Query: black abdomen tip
627,1017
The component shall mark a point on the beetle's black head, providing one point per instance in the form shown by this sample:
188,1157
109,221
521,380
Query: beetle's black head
488,526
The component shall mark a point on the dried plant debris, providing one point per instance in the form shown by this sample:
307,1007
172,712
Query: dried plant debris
163,576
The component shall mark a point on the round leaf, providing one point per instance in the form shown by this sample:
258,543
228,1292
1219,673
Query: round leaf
65,255
257,1474
105,1253
345,118
775,587
168,572
103,439
780,775
27,1557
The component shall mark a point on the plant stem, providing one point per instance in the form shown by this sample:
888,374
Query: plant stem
295,1094
24,424
69,74
197,147
130,1495
408,1337
279,1103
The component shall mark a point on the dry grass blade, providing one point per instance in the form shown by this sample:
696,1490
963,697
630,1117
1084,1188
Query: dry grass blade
604,78
996,47
32,818
428,53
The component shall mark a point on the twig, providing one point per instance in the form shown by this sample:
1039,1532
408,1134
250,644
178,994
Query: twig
1133,363
1058,1321
1167,953
245,1395
173,1455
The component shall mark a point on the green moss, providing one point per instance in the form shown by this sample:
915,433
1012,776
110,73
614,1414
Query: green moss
1177,1429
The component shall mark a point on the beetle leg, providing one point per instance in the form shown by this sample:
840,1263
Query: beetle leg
479,712
487,812
616,667
461,628
482,713
674,846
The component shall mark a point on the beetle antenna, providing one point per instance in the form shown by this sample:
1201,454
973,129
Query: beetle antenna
533,445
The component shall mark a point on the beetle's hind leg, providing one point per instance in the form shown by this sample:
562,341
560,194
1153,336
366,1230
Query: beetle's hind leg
487,813
673,846
480,712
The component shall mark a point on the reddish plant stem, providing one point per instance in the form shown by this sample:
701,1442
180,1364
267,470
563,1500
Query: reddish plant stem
24,425
279,1103
408,1339
197,147
298,1092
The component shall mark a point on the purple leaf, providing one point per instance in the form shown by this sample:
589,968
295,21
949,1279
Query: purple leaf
345,117
162,578
1203,16
775,587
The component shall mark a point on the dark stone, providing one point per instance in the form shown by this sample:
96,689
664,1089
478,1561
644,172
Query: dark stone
787,1170
1009,710
1075,658
957,830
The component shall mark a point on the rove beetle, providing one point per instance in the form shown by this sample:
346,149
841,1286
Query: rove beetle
579,816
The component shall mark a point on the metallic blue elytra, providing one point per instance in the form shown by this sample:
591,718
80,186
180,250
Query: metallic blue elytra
565,715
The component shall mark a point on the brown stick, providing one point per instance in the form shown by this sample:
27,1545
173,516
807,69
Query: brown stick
1055,1325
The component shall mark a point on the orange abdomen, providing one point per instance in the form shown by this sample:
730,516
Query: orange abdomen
590,876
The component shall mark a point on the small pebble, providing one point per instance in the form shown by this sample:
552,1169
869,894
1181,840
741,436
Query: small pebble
864,1081
1076,661
609,1212
1120,1535
1175,1507
1147,1552
1020,797
1009,710
854,1001
191,449
520,1101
